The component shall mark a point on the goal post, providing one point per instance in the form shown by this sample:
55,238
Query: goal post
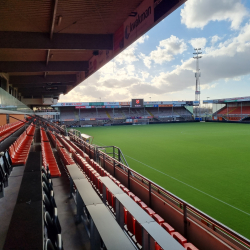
142,121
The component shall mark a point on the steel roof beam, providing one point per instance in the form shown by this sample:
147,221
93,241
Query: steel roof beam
38,40
24,66
53,19
16,80
40,85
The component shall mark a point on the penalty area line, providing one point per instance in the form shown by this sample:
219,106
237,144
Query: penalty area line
186,184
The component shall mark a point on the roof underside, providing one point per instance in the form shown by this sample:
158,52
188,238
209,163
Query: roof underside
45,46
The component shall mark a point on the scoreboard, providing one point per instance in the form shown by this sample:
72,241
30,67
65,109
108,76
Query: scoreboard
137,103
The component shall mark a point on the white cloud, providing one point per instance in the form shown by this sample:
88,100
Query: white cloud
215,39
228,60
198,13
165,52
198,42
128,55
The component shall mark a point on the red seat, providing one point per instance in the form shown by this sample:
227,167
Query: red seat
142,204
157,247
136,199
179,238
150,211
138,228
138,232
190,246
158,219
130,223
167,227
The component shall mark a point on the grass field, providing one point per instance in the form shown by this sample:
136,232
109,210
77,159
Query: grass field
206,164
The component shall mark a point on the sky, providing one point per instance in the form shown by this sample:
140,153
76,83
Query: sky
159,66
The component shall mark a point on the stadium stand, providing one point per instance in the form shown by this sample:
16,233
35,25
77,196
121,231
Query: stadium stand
19,150
48,156
234,113
8,129
100,182
96,117
67,114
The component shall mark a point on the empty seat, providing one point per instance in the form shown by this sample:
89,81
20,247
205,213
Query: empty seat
49,245
190,246
158,219
167,227
182,240
52,232
130,223
142,204
150,211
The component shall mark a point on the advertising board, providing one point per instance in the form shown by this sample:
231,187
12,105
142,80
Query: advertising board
137,103
139,22
165,105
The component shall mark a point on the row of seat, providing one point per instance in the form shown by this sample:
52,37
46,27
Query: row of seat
65,157
43,134
52,227
19,150
65,144
48,156
94,171
5,170
8,129
52,138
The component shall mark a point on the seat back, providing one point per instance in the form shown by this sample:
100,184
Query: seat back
51,230
48,205
7,157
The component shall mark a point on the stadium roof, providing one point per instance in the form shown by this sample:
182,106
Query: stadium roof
226,100
48,47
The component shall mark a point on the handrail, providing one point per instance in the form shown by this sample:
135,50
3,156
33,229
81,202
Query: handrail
121,157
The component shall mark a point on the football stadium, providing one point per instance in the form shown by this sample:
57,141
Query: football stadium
139,174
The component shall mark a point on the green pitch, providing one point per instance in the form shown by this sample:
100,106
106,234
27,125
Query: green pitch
205,164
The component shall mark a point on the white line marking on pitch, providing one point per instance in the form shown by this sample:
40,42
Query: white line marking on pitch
187,185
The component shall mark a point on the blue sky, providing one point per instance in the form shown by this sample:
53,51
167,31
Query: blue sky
160,65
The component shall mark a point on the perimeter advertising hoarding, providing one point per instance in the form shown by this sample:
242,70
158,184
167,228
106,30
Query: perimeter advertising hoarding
196,103
111,103
137,103
63,104
165,105
96,103
80,107
124,103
